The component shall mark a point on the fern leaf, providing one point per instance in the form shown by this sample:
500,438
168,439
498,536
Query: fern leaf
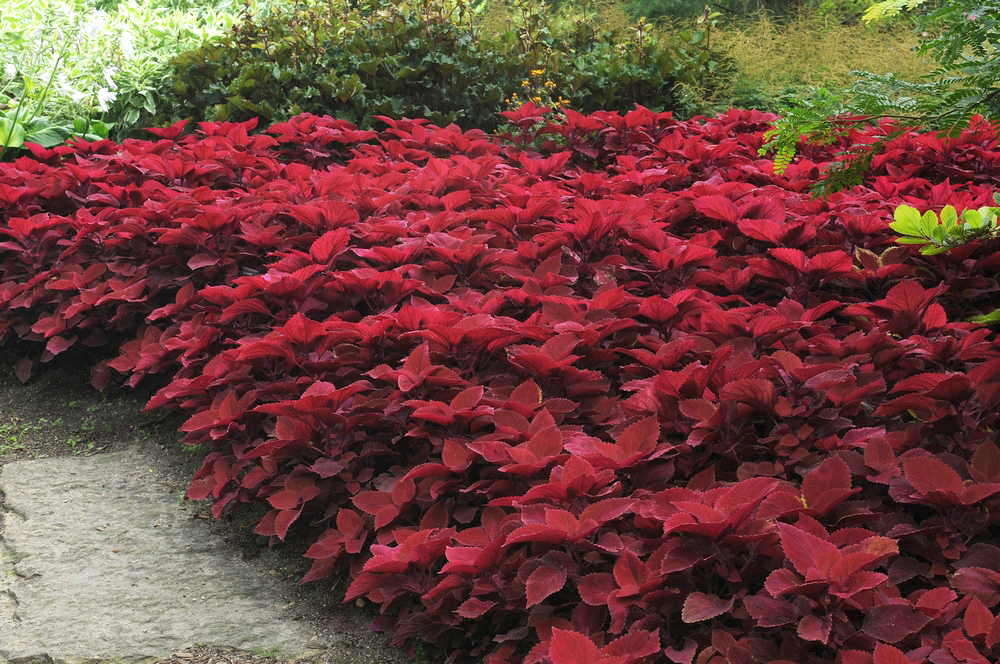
888,8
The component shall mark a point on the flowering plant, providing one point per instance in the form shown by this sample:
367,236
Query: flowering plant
538,89
118,61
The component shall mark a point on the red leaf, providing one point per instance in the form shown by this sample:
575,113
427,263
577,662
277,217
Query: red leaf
919,383
831,474
813,628
985,464
885,654
683,656
630,573
754,392
796,258
640,438
572,648
606,510
697,409
699,606
979,581
199,261
58,344
764,207
770,612
954,389
100,375
543,582
329,245
935,317
371,501
595,588
891,623
172,132
474,608
906,296
284,520
638,643
285,499
22,369
978,619
807,552
928,474
717,207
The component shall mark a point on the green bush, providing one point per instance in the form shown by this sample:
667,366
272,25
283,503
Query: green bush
96,64
415,59
653,9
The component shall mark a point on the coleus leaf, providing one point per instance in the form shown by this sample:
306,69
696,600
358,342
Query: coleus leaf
700,606
891,623
544,581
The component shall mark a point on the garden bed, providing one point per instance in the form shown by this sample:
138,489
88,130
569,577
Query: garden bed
609,390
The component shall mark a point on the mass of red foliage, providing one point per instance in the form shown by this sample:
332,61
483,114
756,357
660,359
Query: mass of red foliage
609,391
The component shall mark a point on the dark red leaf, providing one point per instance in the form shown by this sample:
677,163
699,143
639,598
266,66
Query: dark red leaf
891,623
542,582
699,606
928,475
906,296
22,369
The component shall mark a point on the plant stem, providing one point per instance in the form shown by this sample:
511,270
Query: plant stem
45,92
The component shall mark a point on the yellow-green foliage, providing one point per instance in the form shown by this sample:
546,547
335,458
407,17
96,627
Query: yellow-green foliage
813,50
497,16
889,8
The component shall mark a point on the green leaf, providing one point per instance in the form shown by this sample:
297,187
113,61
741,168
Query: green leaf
11,134
992,317
100,129
929,225
47,137
939,235
948,216
907,221
972,219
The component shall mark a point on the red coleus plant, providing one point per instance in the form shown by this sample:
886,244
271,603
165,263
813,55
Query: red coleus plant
610,392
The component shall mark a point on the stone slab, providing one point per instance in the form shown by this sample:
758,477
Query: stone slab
99,561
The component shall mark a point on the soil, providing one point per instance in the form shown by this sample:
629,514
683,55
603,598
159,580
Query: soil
58,413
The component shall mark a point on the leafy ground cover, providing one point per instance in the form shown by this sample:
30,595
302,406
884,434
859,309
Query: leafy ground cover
607,391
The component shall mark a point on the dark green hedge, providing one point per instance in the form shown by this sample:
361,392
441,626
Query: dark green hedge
414,61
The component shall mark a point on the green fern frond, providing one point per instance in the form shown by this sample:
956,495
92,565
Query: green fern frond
888,8
852,166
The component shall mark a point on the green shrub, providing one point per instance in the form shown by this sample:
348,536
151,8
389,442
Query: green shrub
653,9
67,62
415,59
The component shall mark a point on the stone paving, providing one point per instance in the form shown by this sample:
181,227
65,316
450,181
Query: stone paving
100,561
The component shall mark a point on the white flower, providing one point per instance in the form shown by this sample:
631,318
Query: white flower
128,49
108,73
93,27
9,71
105,97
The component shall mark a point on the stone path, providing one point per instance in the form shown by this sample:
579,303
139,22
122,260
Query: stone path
100,561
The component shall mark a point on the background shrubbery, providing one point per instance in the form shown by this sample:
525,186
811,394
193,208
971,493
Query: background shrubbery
429,60
79,67
136,64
